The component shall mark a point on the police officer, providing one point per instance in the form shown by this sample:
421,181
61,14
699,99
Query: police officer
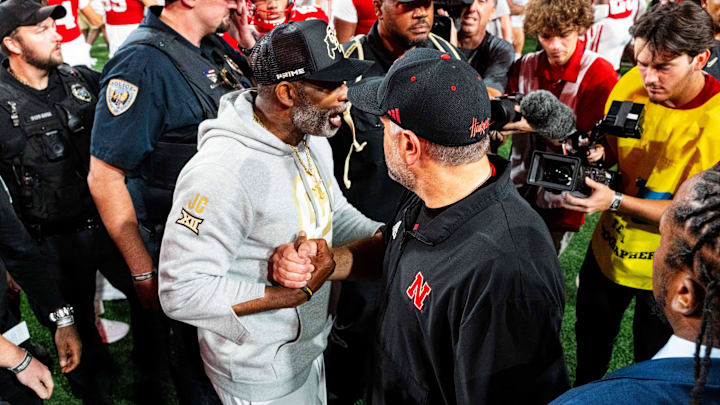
32,273
167,77
360,168
46,113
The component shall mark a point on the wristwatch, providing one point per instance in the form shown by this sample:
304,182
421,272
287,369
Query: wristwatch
62,316
617,199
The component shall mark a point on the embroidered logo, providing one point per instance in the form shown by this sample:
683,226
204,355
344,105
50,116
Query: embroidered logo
395,229
332,42
80,92
395,114
120,96
190,222
418,291
478,127
198,204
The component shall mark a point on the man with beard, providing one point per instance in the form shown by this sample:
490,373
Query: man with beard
473,296
680,137
488,54
167,77
46,114
686,277
262,175
360,167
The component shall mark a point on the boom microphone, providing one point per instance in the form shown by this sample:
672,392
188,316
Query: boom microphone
548,116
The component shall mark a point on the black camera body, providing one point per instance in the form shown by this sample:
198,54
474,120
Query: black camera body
502,110
559,173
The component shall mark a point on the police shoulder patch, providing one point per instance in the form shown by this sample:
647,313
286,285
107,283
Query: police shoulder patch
189,221
120,96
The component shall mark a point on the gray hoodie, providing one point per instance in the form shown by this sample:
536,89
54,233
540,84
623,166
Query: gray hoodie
240,196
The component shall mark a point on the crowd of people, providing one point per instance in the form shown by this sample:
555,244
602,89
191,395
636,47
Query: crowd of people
302,203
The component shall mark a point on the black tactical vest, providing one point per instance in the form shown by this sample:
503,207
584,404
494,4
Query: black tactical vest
45,150
175,148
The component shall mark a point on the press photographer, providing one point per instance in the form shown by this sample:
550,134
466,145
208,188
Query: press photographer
579,78
680,137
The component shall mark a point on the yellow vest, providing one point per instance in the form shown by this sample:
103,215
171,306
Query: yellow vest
674,146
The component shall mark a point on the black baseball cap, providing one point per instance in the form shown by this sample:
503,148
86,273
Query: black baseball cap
304,50
18,13
441,99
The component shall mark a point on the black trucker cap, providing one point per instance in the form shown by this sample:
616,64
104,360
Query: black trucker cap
439,98
18,13
304,50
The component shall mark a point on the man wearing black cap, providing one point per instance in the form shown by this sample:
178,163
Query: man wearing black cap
262,175
167,77
360,168
473,296
46,114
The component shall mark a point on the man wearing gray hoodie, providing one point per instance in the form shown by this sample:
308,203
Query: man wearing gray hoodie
263,174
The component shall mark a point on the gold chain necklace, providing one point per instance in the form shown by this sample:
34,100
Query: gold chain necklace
310,170
12,73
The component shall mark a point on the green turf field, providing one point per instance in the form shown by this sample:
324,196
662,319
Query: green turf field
570,260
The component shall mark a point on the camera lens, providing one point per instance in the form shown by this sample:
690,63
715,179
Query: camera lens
558,173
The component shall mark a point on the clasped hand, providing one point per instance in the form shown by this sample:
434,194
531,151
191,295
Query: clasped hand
305,262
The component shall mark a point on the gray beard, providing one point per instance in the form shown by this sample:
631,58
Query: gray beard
312,120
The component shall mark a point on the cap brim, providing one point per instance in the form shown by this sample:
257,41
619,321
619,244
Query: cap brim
55,12
364,95
345,69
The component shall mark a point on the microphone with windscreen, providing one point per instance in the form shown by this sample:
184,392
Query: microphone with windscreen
548,116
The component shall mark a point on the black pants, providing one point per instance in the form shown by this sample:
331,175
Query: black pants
347,357
191,383
600,307
79,255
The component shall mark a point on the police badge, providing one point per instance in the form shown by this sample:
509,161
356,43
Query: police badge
81,93
120,96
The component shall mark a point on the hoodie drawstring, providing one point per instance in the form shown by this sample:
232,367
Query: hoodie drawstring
357,147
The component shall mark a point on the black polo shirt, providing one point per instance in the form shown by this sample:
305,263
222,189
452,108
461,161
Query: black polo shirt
472,303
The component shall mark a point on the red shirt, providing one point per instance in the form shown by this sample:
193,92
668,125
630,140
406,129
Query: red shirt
592,93
67,26
124,12
365,15
298,14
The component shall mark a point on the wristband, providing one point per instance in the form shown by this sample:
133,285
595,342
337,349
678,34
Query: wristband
617,199
62,316
23,364
307,292
144,276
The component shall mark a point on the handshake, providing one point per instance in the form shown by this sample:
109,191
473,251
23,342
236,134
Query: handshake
305,264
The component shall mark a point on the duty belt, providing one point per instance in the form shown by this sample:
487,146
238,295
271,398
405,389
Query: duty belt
74,225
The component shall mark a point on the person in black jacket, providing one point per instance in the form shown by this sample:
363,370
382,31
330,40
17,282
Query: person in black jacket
46,115
472,292
360,169
24,262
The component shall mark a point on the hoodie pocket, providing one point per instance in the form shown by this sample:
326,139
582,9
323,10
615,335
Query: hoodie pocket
252,361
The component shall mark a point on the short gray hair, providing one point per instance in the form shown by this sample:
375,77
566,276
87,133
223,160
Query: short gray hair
452,155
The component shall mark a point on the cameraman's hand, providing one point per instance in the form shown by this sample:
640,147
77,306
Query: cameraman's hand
518,127
599,200
596,153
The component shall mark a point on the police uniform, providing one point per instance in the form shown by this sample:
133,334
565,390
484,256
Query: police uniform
155,92
479,293
361,170
22,257
44,155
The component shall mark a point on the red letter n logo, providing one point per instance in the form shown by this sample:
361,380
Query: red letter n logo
418,291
